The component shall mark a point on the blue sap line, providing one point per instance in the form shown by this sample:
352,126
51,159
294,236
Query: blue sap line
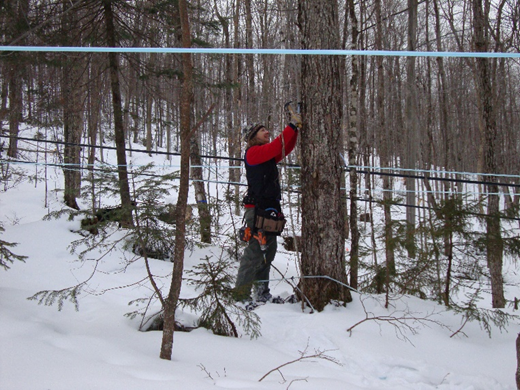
326,52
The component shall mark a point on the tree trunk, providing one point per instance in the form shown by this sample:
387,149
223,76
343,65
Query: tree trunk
3,95
15,27
113,58
494,243
232,106
384,152
180,232
149,102
411,128
73,93
323,249
72,128
95,99
15,108
353,143
443,111
252,102
200,192
235,136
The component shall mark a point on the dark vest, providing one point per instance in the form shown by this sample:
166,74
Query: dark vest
263,184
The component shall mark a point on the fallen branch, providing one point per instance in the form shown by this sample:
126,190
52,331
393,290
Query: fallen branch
318,354
401,320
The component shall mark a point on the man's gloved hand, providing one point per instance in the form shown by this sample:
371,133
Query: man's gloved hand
296,119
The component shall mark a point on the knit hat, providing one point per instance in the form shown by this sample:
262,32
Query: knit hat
249,133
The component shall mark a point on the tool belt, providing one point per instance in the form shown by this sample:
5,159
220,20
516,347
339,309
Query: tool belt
270,220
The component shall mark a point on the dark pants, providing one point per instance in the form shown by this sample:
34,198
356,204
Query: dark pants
255,264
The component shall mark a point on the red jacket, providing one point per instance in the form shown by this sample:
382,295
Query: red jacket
259,154
261,170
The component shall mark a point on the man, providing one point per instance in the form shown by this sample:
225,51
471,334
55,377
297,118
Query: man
263,200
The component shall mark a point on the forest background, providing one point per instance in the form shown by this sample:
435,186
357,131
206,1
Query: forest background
431,138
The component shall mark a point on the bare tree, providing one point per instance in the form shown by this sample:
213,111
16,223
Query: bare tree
411,127
73,97
252,103
494,243
180,232
17,24
113,58
232,99
198,184
384,152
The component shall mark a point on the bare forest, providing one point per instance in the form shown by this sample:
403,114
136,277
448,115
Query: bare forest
412,161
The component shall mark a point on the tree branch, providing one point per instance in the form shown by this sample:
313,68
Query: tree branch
318,354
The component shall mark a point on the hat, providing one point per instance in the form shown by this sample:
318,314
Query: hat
249,133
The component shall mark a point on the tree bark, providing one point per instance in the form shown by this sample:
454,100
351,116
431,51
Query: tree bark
15,108
113,59
353,143
252,111
149,102
232,104
323,249
494,243
200,192
72,129
182,200
235,135
73,95
411,128
16,26
95,99
384,152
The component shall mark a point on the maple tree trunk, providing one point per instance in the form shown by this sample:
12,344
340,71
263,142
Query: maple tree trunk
323,235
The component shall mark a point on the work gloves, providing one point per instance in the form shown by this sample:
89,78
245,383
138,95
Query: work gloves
294,113
296,119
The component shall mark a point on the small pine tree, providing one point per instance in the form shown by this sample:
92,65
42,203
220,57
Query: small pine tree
487,318
147,237
219,311
6,256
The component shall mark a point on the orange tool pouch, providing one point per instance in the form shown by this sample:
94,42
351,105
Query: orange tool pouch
244,233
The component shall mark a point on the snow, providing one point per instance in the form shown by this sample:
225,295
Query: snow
98,347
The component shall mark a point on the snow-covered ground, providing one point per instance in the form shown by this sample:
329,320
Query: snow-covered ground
98,347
